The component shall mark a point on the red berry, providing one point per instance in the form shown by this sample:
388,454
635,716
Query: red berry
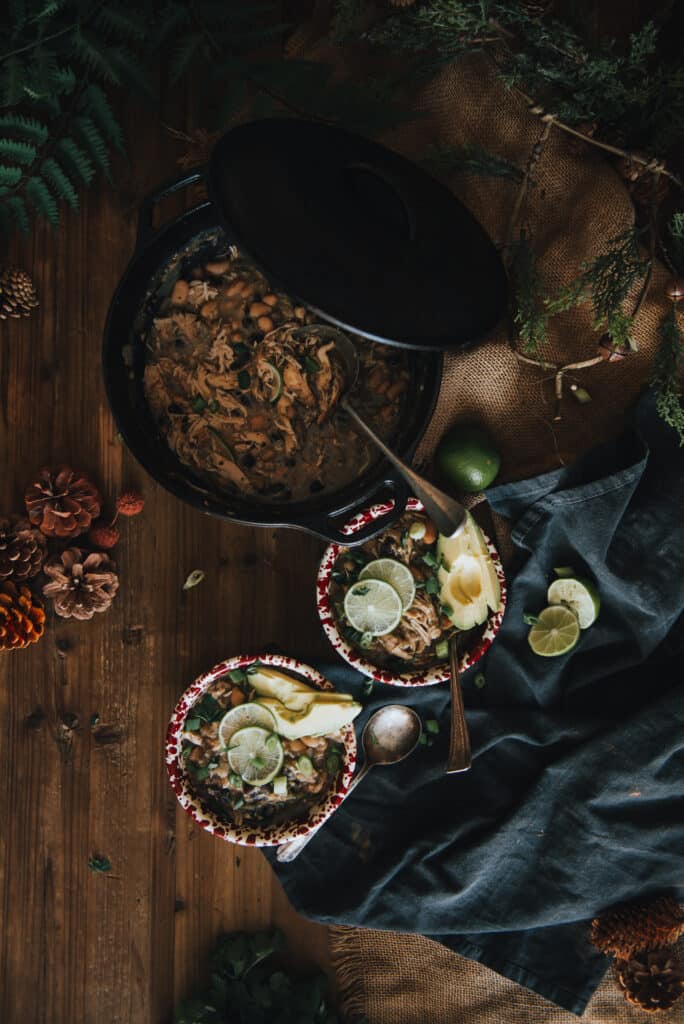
130,503
103,536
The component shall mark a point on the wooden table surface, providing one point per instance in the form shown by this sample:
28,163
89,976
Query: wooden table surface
78,947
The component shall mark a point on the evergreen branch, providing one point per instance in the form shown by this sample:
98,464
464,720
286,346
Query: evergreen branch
675,249
471,160
666,373
529,310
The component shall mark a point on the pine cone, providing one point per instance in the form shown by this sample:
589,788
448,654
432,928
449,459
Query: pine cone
17,294
81,583
22,617
130,503
650,980
62,502
638,926
22,549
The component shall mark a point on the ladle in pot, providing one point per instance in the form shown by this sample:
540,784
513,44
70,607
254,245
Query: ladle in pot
448,515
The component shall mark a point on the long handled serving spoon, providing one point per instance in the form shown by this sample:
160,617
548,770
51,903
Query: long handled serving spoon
390,735
447,514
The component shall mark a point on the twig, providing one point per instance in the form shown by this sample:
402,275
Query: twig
533,160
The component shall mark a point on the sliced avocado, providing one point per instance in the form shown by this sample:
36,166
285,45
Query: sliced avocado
318,719
470,542
293,693
467,604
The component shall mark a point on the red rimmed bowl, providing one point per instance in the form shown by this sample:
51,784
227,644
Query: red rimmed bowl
438,674
253,835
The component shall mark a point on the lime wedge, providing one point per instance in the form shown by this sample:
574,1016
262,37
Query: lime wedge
373,606
256,755
243,716
579,595
396,574
556,632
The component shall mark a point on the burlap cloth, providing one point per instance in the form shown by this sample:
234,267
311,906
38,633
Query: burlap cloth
577,204
390,978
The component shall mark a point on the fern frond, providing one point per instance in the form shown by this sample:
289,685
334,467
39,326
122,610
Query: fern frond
63,80
9,176
96,105
16,207
121,24
185,54
95,57
60,182
92,141
27,127
75,159
666,373
21,152
130,71
42,200
48,10
12,80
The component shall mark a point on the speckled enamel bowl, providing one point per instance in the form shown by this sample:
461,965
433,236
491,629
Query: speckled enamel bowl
439,673
253,835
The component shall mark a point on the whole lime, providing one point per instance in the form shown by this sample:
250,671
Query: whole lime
467,458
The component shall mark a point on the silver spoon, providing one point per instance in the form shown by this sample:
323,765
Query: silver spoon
447,514
390,735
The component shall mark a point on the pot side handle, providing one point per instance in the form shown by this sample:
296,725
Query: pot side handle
323,525
146,229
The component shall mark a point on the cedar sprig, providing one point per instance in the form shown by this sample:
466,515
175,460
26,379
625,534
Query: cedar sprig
606,282
530,312
667,371
471,160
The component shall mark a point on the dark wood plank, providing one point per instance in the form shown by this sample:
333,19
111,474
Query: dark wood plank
121,947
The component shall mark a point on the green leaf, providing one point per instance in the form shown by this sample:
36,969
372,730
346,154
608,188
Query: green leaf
60,182
92,141
185,54
28,128
10,176
96,105
99,863
96,57
42,200
63,80
479,680
75,159
17,151
432,725
530,620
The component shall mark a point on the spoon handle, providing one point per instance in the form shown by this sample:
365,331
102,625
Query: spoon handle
459,743
288,851
447,514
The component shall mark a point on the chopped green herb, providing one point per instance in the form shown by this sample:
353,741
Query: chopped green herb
238,803
361,590
237,675
367,687
236,780
446,609
305,764
432,725
564,571
358,556
423,741
311,365
199,404
256,666
333,762
432,585
212,765
366,640
208,709
339,576
195,577
258,762
530,620
479,680
213,405
192,724
202,772
221,439
431,560
442,650
99,863
243,380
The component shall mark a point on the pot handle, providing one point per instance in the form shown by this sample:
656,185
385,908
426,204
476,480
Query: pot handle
323,525
146,230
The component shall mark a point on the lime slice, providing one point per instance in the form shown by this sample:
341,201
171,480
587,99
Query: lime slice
578,594
243,716
396,574
372,606
555,632
256,755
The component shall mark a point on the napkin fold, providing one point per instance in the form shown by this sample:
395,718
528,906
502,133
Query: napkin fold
574,801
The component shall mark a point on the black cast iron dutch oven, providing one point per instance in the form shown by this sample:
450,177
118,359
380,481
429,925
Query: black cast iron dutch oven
350,229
